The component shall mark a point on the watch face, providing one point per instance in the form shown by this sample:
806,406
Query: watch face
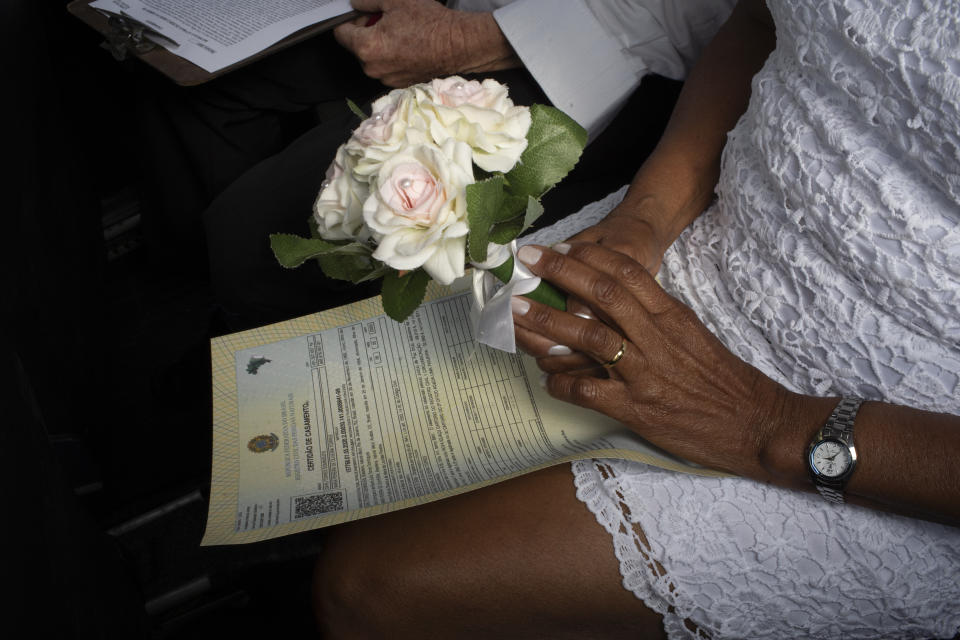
831,458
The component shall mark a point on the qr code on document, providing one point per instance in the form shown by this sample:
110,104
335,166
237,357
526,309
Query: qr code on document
317,504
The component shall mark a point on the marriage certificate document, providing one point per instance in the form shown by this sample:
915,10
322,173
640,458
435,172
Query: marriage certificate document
347,414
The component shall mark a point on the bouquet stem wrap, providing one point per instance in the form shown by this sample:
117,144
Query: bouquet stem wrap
496,281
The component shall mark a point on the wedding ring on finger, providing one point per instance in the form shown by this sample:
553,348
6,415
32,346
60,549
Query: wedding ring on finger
612,362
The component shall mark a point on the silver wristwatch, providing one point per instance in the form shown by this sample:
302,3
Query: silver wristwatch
832,456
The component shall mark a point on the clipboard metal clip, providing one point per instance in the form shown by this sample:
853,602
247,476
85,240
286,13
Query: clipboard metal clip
126,35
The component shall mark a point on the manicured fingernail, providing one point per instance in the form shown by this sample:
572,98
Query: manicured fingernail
529,255
584,315
543,380
559,350
519,305
561,247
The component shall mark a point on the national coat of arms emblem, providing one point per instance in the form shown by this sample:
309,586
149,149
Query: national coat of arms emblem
264,443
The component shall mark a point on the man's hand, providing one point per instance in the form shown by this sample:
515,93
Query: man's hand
418,40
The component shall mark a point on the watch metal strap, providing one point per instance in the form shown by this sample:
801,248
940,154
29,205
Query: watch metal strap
831,494
840,423
840,427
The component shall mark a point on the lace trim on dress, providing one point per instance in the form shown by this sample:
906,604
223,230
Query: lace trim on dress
642,574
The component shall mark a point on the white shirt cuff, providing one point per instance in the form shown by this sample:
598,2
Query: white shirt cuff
574,59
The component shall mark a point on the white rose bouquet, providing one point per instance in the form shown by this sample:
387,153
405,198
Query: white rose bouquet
441,175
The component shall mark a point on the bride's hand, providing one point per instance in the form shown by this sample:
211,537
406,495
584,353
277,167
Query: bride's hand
626,232
675,384
622,231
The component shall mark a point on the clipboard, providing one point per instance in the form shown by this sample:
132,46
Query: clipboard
125,36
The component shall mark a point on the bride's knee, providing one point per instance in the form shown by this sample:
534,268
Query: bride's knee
340,595
356,593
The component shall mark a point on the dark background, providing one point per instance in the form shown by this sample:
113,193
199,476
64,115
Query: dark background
106,444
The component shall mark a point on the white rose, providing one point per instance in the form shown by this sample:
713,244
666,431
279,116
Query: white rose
417,209
455,91
478,113
385,126
338,209
395,122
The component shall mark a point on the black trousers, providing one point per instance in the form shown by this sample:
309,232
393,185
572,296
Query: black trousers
195,141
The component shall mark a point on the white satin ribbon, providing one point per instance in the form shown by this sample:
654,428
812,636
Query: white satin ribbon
490,313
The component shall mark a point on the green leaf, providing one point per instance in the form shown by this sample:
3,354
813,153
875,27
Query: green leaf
349,267
483,204
292,251
402,295
555,142
534,211
378,272
351,261
487,207
352,249
507,231
356,110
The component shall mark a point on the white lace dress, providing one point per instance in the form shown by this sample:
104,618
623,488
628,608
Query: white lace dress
831,261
